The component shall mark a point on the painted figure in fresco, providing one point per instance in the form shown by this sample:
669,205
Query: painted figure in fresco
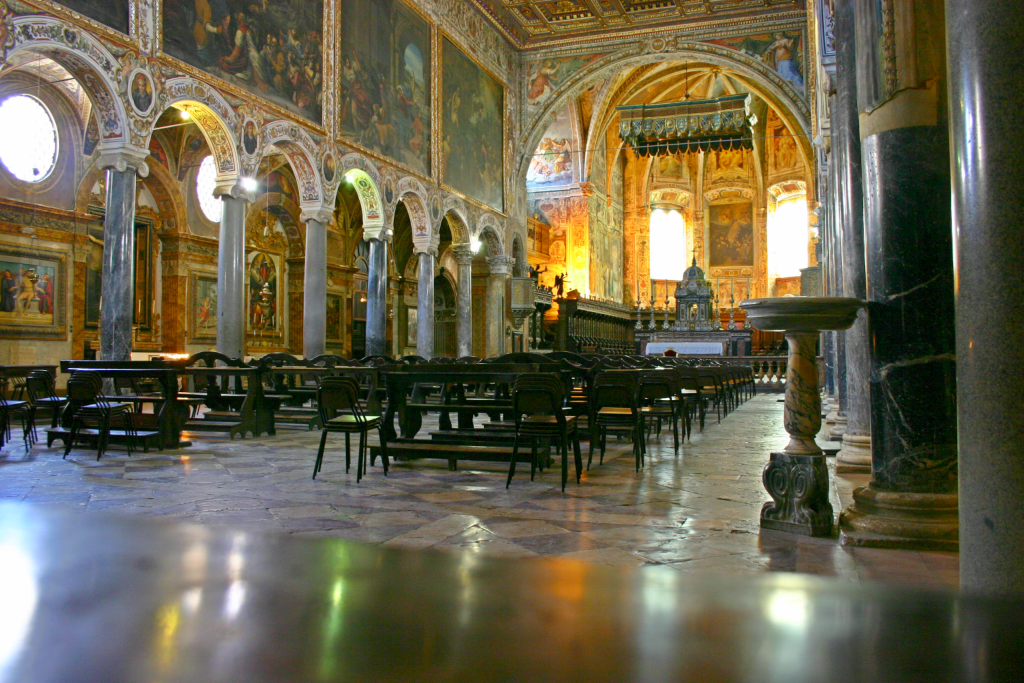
142,93
206,25
44,291
785,152
544,81
26,290
245,62
8,292
204,313
780,53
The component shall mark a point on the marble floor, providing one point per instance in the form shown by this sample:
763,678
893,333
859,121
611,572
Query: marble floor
693,511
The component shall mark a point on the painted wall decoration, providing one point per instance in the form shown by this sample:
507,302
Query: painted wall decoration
473,125
552,162
32,291
141,92
671,168
203,314
730,164
783,155
264,303
111,13
335,318
546,75
782,51
384,69
271,48
732,234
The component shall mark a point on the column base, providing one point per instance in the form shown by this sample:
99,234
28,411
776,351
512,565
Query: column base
798,485
908,521
855,455
833,413
838,429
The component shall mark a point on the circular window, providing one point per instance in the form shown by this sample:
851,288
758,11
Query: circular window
206,181
28,147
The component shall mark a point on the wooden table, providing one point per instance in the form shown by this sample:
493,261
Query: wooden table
8,372
256,412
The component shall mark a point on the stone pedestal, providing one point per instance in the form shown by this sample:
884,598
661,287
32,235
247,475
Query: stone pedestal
231,278
118,313
464,303
985,88
377,299
500,267
425,306
314,296
797,478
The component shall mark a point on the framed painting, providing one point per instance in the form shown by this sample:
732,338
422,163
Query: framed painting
412,326
109,13
272,49
263,299
335,319
144,274
33,291
202,323
732,234
473,125
384,69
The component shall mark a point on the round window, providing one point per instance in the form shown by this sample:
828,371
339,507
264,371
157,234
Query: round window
28,147
206,181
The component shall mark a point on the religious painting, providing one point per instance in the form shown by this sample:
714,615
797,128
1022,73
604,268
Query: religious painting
782,51
142,296
730,164
732,234
250,137
783,155
330,168
412,326
111,13
156,150
384,69
141,92
671,168
472,151
93,280
273,48
552,162
92,136
203,308
32,293
546,75
335,318
263,301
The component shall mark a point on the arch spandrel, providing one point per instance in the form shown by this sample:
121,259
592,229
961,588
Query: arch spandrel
454,209
413,195
214,118
365,180
301,151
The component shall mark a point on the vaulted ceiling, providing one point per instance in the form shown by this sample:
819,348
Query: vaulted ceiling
532,24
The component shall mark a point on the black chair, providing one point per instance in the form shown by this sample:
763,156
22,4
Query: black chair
337,400
537,405
659,400
613,405
23,410
43,396
89,407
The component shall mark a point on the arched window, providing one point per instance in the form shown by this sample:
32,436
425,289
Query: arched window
788,234
668,245
28,145
206,181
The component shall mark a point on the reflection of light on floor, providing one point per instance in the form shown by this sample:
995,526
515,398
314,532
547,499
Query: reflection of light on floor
786,607
234,600
17,602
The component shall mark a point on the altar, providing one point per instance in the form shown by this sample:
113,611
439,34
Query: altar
711,343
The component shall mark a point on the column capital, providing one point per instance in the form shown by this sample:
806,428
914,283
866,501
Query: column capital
425,249
501,265
234,190
463,254
123,158
321,215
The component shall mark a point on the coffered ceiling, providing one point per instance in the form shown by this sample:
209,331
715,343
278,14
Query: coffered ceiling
533,24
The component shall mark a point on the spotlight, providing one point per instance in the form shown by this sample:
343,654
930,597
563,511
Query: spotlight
249,185
185,115
474,244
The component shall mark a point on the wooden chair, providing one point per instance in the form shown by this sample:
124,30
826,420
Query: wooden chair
337,399
537,405
613,404
85,397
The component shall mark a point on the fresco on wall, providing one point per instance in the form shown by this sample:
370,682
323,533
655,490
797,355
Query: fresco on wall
552,162
605,262
384,75
546,75
783,155
729,164
110,13
27,289
782,51
473,148
670,168
271,48
732,234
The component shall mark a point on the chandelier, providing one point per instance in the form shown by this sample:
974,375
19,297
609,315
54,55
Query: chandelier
688,126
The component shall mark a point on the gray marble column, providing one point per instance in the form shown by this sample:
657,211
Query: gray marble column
314,290
836,419
855,455
464,305
985,88
500,267
231,278
377,299
425,305
118,290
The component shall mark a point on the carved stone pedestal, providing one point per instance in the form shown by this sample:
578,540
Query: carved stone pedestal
798,485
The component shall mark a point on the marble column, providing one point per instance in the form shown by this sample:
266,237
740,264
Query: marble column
827,338
464,303
314,289
377,299
836,419
425,305
855,455
912,499
985,63
500,267
231,276
117,315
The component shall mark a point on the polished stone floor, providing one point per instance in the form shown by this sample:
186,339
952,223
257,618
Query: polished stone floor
692,511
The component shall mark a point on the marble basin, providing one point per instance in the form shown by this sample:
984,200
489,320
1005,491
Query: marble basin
802,313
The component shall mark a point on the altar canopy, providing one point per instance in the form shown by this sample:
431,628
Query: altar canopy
688,126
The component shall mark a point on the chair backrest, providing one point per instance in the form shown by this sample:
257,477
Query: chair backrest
39,384
658,384
538,395
614,390
338,395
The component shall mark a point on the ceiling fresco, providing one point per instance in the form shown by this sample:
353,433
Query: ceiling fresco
530,23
